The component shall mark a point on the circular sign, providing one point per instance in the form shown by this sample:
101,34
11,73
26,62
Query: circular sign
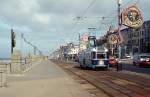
132,17
113,39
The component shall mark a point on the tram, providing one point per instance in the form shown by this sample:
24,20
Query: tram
93,56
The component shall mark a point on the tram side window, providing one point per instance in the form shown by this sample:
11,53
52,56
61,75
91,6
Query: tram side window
100,56
93,55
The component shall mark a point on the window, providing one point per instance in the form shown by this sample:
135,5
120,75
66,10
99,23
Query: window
141,41
91,42
100,56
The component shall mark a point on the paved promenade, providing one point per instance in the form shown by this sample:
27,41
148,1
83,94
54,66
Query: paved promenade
44,80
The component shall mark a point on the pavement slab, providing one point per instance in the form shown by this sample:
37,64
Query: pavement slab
44,80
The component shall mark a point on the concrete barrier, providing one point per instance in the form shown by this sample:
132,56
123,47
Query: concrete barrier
16,64
20,64
3,74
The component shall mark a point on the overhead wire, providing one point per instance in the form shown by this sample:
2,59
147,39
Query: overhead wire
89,6
131,1
106,17
112,22
127,3
84,12
82,15
124,5
28,42
137,2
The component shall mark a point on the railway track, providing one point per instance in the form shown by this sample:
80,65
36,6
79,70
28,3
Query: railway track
111,83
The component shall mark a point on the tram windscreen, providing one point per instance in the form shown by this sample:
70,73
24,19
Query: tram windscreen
100,56
92,43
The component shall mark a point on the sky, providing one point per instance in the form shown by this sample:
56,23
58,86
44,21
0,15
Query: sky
50,23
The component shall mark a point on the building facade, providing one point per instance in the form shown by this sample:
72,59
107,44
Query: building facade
136,40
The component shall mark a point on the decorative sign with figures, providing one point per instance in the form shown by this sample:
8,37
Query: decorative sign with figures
113,39
132,17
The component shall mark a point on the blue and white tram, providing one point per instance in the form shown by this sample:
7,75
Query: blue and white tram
93,57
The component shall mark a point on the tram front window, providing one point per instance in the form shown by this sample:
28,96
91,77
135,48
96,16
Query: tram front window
100,56
92,43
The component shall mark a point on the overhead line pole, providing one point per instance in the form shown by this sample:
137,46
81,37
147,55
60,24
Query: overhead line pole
119,28
119,14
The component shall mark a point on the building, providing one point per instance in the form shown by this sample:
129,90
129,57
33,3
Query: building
112,47
136,40
68,52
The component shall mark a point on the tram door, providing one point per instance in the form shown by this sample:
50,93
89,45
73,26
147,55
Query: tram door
93,55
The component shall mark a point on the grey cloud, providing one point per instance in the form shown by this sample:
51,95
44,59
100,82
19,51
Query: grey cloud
49,23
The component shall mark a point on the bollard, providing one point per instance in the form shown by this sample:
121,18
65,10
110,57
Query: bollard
119,67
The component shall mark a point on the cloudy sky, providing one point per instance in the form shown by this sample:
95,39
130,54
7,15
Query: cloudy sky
51,23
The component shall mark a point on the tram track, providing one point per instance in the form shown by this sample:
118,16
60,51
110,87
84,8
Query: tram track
136,79
112,83
113,87
138,82
100,93
123,86
90,82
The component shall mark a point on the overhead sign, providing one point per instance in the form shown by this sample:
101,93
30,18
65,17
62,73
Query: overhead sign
132,17
113,39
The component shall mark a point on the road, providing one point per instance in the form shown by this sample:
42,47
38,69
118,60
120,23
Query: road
112,83
127,65
130,67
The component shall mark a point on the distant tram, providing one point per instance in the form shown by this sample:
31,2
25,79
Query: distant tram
93,56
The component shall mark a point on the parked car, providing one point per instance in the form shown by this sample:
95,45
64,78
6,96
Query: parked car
141,60
113,61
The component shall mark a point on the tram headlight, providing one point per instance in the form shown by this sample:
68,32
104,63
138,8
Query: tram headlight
94,49
106,50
